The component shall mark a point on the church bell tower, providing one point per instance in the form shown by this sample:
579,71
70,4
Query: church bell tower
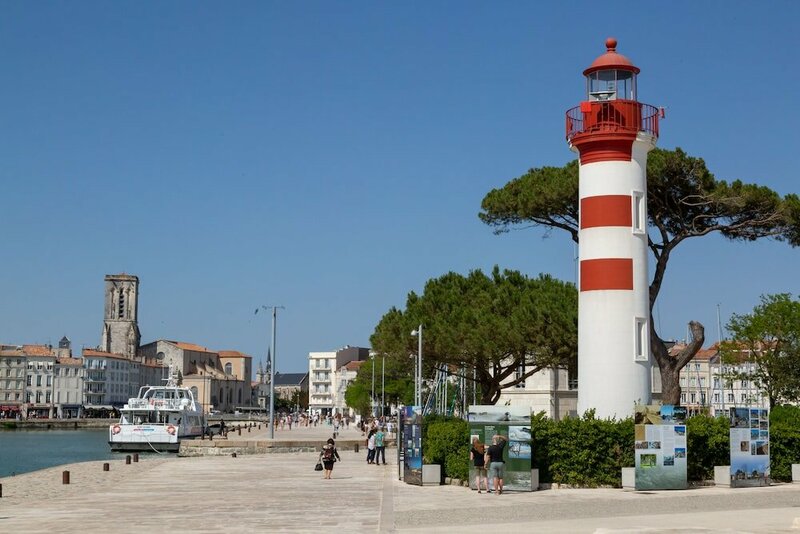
120,323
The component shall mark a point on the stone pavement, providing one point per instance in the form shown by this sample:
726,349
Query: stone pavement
281,492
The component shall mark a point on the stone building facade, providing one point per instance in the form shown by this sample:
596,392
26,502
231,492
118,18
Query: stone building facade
68,387
13,369
120,322
39,398
218,383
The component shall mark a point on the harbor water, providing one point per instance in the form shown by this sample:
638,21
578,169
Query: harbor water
22,451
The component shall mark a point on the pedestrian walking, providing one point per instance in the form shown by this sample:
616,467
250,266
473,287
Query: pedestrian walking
477,455
328,456
380,447
497,466
371,447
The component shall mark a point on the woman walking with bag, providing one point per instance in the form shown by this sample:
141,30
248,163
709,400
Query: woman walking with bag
328,457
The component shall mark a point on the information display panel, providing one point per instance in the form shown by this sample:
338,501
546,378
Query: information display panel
749,435
660,447
412,445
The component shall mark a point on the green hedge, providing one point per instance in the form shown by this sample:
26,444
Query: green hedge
591,452
581,451
445,441
784,440
707,444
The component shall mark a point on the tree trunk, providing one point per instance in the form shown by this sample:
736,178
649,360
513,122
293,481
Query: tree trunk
670,366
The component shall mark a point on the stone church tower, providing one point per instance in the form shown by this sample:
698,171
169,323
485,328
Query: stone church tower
120,325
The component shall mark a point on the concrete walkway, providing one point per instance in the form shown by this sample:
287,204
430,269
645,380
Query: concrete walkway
282,493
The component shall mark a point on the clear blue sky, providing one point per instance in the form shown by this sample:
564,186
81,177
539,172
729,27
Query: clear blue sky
331,156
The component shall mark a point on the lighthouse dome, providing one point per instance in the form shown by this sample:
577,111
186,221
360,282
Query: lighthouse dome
611,60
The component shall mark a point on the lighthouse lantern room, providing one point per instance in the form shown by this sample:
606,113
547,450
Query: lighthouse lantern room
612,132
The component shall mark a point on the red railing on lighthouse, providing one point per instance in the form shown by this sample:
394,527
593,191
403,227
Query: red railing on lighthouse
612,116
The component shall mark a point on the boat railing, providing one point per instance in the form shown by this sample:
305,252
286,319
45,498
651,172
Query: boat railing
162,404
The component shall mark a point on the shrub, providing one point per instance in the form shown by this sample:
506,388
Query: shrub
784,437
707,444
582,451
445,441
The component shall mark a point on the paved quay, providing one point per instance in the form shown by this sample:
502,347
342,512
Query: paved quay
280,492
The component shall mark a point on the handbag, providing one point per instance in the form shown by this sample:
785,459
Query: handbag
318,467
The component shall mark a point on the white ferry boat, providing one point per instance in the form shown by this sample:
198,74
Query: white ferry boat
157,419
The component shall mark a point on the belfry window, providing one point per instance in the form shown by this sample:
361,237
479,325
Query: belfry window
121,310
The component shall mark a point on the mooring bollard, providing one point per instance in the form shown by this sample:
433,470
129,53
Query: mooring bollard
239,430
65,477
106,467
248,429
128,459
233,455
355,447
136,457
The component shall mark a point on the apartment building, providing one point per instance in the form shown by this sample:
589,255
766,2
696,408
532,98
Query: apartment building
13,367
323,372
68,387
40,364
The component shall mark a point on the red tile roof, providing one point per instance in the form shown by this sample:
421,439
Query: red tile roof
192,347
354,365
70,361
103,354
37,350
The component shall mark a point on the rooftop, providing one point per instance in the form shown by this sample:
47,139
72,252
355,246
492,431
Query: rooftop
37,350
232,354
290,379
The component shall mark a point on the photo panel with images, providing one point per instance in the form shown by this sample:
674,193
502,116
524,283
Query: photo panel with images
649,461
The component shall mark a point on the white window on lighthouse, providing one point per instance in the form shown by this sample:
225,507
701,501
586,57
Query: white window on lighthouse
639,215
640,345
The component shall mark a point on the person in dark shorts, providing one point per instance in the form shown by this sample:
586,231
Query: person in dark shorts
476,454
328,457
497,466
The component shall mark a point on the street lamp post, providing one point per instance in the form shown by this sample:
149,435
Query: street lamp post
372,396
272,372
383,385
418,377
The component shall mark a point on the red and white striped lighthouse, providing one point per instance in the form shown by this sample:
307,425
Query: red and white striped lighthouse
613,132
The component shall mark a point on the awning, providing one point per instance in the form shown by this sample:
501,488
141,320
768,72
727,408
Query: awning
99,407
9,408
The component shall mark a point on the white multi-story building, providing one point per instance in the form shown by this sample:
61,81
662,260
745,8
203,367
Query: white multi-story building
321,370
344,376
12,381
324,397
107,383
68,387
553,391
39,381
